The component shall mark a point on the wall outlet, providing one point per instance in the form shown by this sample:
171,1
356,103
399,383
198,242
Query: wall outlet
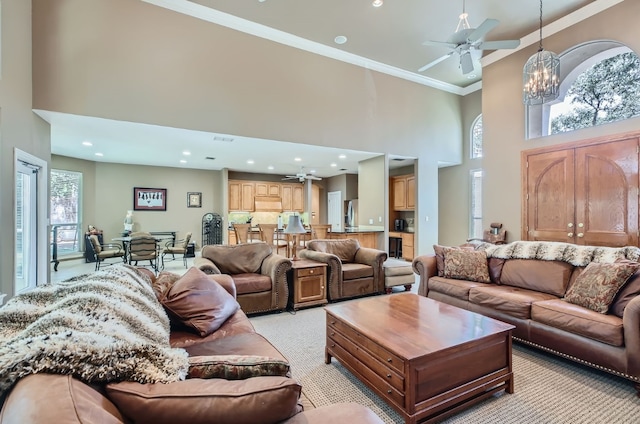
379,219
371,221
426,218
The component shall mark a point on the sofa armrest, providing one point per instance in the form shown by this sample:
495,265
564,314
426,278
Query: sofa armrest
334,269
425,266
631,325
206,265
276,266
374,258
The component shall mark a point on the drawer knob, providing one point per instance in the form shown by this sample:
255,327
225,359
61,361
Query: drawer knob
311,272
333,333
388,375
389,391
388,359
333,345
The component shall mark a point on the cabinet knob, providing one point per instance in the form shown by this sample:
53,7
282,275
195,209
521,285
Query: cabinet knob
570,225
580,234
333,333
389,391
388,375
569,234
580,225
388,359
311,271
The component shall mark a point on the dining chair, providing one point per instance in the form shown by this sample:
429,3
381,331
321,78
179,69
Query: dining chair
144,248
320,231
181,248
103,252
243,233
268,235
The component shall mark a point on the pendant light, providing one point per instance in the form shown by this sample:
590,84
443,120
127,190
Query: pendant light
541,75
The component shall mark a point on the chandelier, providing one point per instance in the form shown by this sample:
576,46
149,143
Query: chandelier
541,75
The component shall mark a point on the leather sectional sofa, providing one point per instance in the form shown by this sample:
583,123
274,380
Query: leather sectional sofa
532,285
271,398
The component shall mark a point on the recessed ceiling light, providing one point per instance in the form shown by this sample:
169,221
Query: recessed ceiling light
87,143
270,168
250,162
183,161
297,159
471,76
186,153
333,165
377,3
340,39
312,171
99,154
342,157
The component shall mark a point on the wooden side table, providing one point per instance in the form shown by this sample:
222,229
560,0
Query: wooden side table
307,283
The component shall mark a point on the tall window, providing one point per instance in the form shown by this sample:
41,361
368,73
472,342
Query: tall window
476,138
66,187
475,224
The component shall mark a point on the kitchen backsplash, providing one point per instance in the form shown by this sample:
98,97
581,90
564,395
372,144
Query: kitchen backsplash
264,217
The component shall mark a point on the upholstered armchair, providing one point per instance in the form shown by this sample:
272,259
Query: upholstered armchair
352,270
260,275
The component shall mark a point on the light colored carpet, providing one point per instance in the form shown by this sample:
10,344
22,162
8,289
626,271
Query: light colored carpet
547,389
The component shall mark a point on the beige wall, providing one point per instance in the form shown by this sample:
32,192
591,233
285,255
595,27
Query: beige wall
19,126
372,189
108,194
504,127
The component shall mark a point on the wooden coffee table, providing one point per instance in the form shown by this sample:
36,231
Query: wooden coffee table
427,359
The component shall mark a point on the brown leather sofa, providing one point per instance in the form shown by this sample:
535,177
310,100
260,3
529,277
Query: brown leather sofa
528,281
352,270
260,275
61,399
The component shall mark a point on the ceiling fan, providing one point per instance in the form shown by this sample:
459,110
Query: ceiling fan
467,40
302,176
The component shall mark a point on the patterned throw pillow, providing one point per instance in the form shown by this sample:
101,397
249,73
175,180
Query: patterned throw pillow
236,367
596,287
463,264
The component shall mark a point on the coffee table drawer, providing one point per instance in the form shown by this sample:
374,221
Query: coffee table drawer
380,353
359,367
381,369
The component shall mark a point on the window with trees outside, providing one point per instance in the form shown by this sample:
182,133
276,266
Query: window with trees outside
608,91
475,224
66,187
476,138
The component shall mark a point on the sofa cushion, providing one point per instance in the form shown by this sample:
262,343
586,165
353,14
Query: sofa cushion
252,283
237,258
205,401
238,323
163,282
236,344
514,301
545,276
578,320
464,264
598,284
344,249
61,399
451,287
351,271
630,290
199,302
236,367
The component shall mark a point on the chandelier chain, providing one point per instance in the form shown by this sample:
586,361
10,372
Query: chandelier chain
540,44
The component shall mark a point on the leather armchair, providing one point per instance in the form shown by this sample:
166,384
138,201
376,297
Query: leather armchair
352,270
260,275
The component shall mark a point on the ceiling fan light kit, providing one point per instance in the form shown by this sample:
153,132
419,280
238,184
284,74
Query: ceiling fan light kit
541,75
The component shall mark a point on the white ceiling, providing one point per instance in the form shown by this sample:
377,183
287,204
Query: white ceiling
387,39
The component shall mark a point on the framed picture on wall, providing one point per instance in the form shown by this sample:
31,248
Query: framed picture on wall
194,199
149,199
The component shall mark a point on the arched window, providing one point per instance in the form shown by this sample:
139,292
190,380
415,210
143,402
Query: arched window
602,69
476,138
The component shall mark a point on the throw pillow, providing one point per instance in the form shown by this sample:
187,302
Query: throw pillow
596,287
204,401
463,264
236,367
630,290
164,281
199,302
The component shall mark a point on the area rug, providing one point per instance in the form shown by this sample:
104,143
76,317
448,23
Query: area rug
548,389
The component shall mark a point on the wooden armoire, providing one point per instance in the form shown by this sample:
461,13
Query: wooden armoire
584,193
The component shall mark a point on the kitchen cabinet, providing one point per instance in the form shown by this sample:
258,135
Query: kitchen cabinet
267,188
292,197
407,243
582,194
366,239
241,196
403,188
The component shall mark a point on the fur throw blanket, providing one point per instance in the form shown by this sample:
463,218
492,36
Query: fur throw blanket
574,254
100,327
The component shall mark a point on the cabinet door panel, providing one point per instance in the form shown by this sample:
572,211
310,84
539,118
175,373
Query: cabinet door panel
550,202
411,193
234,196
399,194
607,194
298,198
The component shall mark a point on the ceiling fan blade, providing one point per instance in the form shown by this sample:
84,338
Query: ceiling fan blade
439,44
466,63
497,45
435,62
313,177
482,30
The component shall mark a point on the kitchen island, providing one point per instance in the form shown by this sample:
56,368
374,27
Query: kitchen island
367,237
